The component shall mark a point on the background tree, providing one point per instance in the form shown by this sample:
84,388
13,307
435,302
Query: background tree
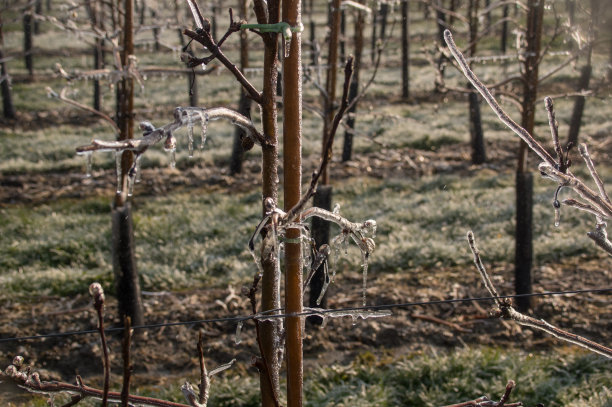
8,108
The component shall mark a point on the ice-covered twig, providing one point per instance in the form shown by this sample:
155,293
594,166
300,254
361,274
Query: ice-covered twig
597,203
181,118
504,309
485,402
503,116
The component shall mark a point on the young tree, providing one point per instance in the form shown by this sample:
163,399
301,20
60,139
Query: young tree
524,178
8,108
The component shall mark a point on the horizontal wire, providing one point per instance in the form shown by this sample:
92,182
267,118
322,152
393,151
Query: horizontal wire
318,312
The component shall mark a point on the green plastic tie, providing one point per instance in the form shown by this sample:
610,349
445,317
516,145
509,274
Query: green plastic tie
282,28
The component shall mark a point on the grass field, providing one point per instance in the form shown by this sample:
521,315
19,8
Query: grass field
411,173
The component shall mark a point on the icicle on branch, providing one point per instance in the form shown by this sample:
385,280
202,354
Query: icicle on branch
504,309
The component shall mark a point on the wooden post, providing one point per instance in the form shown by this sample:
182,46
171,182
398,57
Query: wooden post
292,157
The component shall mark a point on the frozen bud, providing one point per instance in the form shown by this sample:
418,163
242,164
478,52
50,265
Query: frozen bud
170,143
34,380
18,361
369,245
247,143
11,371
245,291
96,291
269,205
189,393
146,127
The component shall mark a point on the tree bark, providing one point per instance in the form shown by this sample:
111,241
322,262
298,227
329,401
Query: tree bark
270,283
504,30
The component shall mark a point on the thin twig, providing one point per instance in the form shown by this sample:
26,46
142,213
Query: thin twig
97,293
204,37
62,96
348,74
204,379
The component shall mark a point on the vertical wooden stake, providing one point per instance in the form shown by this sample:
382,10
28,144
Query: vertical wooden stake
292,146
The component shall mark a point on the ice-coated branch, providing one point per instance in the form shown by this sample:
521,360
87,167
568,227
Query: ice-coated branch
503,116
485,402
600,237
597,203
504,309
584,152
182,117
201,398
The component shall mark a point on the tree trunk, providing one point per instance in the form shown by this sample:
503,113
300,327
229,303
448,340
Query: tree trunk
479,155
8,108
124,261
524,238
524,193
38,8
373,47
270,283
244,105
504,31
127,285
347,148
405,49
27,42
585,78
476,133
292,157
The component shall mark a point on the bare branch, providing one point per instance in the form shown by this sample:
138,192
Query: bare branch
96,291
348,74
584,152
204,37
62,96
